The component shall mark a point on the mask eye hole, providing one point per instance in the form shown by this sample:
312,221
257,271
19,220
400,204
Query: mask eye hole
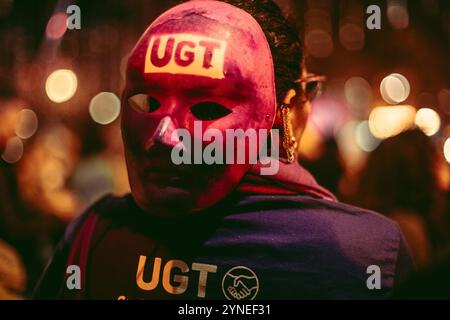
144,103
209,111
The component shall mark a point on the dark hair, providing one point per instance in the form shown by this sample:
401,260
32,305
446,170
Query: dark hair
283,40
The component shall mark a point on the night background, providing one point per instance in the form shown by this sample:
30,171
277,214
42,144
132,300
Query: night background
378,136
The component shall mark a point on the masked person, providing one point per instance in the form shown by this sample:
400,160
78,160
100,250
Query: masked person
202,70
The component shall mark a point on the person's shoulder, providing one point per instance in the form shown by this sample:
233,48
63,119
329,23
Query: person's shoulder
363,217
347,224
362,223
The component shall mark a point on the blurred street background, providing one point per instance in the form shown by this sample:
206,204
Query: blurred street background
378,136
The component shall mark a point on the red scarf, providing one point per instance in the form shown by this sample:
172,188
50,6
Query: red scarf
291,179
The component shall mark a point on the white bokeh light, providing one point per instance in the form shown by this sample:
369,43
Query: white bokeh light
447,150
13,151
61,85
395,88
27,124
104,108
428,121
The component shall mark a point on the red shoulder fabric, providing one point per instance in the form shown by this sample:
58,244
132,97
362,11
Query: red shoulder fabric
79,254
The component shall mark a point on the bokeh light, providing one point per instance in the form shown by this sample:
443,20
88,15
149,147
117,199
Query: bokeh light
358,94
394,88
397,13
104,108
351,153
319,43
428,121
61,85
386,121
6,7
444,101
27,124
123,66
13,150
311,142
318,30
56,26
351,36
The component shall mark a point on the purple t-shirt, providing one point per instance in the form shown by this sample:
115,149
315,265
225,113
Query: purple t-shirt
252,247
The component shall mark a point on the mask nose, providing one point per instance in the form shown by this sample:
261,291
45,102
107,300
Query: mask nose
165,134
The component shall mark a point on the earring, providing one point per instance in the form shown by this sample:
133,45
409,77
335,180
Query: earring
289,141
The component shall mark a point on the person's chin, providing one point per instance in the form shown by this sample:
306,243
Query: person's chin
167,201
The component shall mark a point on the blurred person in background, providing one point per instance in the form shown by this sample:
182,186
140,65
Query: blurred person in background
101,169
400,181
221,231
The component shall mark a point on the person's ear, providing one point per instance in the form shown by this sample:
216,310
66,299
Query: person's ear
294,113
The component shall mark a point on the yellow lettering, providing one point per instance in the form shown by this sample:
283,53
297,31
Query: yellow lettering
155,276
181,280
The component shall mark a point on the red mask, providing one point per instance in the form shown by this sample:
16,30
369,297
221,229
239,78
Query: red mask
202,61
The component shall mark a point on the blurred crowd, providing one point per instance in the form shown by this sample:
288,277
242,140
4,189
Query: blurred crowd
59,174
